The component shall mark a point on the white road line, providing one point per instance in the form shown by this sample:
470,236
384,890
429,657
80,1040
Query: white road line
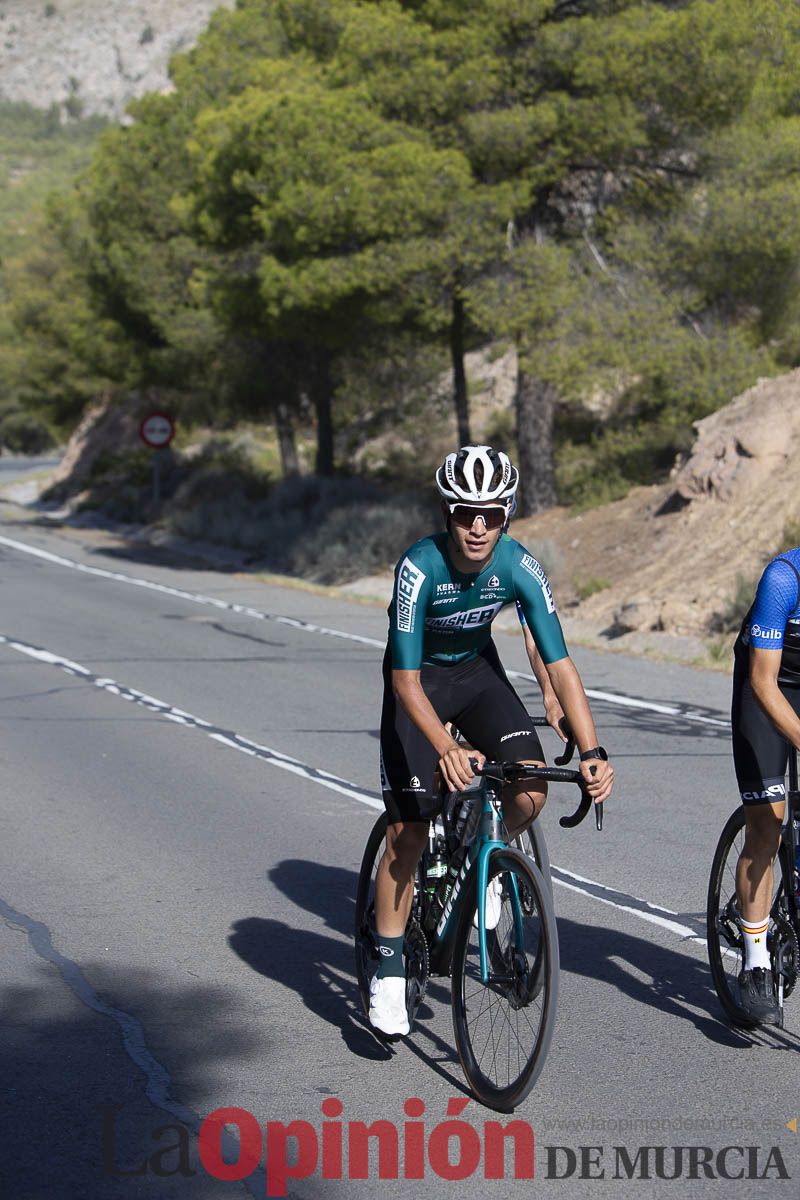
683,931
308,627
242,610
642,908
234,741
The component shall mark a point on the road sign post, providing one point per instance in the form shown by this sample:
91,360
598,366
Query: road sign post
157,430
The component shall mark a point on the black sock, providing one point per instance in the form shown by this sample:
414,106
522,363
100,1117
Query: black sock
391,962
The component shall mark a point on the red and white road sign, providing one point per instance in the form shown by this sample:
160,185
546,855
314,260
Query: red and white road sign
157,429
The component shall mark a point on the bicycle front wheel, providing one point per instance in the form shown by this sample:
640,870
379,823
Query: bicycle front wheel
723,935
503,1027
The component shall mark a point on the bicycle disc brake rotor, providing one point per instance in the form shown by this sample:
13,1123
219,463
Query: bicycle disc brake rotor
415,948
512,973
785,953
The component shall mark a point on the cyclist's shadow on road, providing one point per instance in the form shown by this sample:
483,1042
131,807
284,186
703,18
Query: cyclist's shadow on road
320,967
675,983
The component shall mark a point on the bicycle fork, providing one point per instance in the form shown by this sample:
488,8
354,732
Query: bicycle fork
494,831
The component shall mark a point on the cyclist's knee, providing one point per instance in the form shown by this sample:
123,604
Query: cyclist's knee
404,845
528,800
763,829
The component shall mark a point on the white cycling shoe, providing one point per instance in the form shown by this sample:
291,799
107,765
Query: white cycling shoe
387,1006
494,904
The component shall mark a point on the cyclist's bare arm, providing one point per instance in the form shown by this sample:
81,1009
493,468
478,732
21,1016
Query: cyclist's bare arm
453,759
569,689
764,667
552,707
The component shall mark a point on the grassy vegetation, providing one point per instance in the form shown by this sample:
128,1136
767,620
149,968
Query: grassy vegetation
38,155
589,587
738,603
324,530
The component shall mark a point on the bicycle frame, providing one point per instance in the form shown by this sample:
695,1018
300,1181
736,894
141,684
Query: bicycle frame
491,836
793,828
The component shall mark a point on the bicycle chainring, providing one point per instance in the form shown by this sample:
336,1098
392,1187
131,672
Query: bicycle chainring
785,952
415,949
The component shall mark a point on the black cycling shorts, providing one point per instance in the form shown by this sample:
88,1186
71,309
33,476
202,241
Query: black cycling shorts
477,697
760,752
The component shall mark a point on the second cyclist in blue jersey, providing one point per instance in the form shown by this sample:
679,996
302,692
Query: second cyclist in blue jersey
441,666
765,721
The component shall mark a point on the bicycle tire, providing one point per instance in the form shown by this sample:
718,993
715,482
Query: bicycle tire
523,980
364,932
723,936
415,945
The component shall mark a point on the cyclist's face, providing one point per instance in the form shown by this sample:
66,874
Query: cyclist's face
475,542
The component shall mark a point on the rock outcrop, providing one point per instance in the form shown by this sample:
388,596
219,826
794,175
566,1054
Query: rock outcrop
672,557
94,56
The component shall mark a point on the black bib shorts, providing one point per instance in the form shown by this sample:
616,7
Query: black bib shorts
760,752
478,698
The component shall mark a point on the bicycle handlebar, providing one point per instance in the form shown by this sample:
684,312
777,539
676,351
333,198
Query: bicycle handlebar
569,747
505,772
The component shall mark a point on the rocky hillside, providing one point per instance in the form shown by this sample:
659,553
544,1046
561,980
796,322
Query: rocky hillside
670,569
94,55
672,557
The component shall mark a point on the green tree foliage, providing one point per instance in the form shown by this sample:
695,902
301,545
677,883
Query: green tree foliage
583,114
609,184
64,353
325,212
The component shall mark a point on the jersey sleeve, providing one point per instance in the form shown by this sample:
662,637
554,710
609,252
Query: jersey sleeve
535,603
412,590
776,600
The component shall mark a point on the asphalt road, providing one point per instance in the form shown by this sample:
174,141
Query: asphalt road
177,899
14,467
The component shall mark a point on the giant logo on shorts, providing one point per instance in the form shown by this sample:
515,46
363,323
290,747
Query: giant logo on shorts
529,564
463,620
409,581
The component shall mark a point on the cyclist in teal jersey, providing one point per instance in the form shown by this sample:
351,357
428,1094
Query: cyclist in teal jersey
441,666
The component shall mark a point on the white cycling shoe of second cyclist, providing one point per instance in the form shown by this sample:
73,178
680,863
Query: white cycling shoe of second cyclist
387,1006
494,903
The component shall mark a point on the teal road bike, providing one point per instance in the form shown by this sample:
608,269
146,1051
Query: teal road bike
504,974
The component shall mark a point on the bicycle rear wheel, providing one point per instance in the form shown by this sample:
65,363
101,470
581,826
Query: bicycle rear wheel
723,935
365,947
503,1028
415,946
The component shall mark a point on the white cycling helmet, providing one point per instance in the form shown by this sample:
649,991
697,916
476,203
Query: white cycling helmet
477,475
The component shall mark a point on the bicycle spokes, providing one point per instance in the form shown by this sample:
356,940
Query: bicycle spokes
503,1024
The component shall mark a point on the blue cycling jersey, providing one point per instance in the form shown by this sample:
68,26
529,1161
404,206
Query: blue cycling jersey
773,620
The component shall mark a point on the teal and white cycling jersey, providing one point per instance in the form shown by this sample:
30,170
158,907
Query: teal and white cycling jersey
441,616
